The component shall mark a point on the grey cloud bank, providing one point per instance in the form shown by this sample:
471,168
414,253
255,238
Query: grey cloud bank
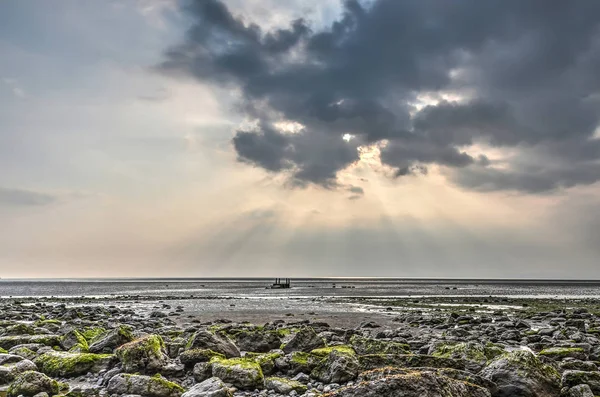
526,72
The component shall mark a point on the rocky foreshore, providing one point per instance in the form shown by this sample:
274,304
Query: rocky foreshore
53,348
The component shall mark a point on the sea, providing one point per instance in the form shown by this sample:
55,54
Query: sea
257,288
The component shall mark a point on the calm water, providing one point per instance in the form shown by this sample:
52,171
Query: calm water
256,288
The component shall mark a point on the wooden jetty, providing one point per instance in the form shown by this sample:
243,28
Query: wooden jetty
281,283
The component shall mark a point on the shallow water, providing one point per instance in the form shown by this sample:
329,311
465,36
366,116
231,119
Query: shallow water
302,288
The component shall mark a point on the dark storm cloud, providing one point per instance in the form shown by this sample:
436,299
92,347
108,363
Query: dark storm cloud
529,67
20,197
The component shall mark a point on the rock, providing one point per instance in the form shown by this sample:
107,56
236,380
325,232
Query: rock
193,356
30,383
521,373
74,339
573,378
559,353
146,355
259,341
64,364
148,386
411,384
471,351
242,373
212,387
265,360
8,372
6,358
364,345
579,391
216,343
297,362
340,366
284,386
8,342
202,371
305,340
373,361
112,340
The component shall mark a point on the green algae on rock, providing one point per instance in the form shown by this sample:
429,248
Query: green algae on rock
193,356
284,386
243,373
65,364
30,383
364,345
150,386
146,354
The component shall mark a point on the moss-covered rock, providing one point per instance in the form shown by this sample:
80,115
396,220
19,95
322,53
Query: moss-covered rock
149,386
243,373
522,373
466,350
111,340
19,329
145,355
265,360
340,366
297,362
93,334
305,340
30,383
284,386
74,341
364,345
573,378
411,384
24,352
256,340
373,361
193,356
9,371
212,387
217,343
7,342
66,365
558,353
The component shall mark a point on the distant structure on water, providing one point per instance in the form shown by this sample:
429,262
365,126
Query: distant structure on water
281,284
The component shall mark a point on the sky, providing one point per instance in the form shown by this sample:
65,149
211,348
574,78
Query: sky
300,138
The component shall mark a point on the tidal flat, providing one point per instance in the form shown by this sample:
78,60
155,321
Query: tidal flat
289,343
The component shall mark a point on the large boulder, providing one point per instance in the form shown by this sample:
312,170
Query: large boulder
112,340
212,387
146,355
216,343
30,383
521,374
8,372
305,340
411,384
243,373
339,366
64,364
148,386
